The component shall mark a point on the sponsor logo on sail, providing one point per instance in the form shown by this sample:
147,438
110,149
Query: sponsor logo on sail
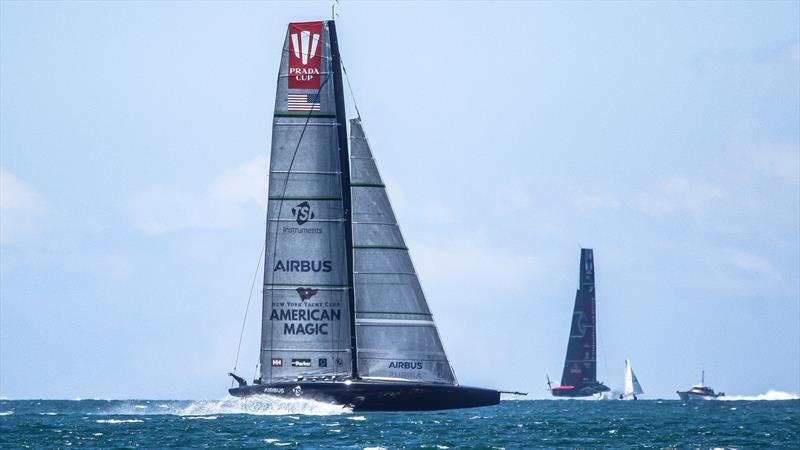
583,323
305,321
301,363
302,215
305,48
276,362
306,293
295,265
323,362
409,365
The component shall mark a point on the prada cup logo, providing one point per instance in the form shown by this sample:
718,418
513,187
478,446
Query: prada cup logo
306,293
302,43
305,56
302,213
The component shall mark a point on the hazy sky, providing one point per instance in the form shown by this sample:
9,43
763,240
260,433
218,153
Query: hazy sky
134,140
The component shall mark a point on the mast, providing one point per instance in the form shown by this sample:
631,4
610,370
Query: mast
344,161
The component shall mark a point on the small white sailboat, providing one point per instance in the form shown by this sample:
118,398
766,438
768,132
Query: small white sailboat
632,386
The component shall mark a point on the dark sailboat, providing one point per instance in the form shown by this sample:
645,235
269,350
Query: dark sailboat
579,378
344,318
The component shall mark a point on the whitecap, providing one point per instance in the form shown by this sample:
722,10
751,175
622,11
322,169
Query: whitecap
140,406
6,413
48,414
262,405
357,418
201,417
119,421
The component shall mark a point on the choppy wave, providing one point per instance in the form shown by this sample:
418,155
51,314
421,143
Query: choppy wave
119,421
261,405
770,395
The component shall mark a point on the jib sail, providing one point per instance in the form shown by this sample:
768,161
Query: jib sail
580,367
306,314
632,386
396,335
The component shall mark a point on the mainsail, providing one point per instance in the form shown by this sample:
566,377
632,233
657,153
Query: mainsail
331,284
395,333
306,316
580,365
632,386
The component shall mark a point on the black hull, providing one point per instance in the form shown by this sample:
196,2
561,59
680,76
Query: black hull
579,391
378,396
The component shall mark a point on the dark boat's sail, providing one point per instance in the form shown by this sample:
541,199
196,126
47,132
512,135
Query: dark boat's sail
344,319
397,338
306,314
580,366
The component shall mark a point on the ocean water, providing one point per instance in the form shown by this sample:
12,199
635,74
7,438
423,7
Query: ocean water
276,423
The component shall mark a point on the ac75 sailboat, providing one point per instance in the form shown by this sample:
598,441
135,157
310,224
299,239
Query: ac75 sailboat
344,318
580,367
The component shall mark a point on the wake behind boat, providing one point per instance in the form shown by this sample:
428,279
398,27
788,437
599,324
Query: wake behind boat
579,378
344,318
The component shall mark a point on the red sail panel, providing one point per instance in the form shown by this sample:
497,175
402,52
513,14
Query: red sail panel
305,55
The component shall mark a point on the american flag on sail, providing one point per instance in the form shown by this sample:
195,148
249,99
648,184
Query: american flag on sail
303,102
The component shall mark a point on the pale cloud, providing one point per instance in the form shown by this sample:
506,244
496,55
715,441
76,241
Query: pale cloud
678,195
593,202
783,161
222,205
773,64
754,265
464,260
425,210
247,182
21,208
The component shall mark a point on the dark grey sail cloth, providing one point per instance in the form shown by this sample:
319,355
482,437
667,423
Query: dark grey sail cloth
305,317
580,365
396,335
